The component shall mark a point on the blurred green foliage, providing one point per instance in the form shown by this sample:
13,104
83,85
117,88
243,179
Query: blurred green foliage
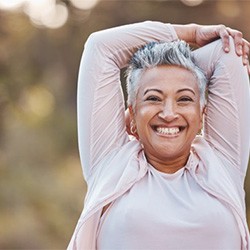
41,184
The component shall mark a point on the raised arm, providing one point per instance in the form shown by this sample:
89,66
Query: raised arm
101,122
200,35
227,119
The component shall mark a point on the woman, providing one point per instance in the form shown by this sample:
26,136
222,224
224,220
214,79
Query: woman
167,187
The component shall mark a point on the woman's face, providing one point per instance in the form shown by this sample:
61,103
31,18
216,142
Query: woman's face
167,112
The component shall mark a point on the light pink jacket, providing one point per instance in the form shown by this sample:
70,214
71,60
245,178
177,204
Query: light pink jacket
112,163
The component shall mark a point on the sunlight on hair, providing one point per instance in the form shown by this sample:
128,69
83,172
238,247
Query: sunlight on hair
84,4
192,2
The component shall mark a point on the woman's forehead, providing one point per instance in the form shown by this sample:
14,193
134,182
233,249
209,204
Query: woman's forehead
167,78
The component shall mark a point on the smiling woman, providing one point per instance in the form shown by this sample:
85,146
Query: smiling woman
157,184
167,115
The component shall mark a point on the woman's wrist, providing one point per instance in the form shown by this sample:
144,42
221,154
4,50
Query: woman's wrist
186,32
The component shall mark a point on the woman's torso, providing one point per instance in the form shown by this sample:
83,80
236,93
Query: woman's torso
168,211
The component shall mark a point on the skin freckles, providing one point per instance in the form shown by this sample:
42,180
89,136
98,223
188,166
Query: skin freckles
167,116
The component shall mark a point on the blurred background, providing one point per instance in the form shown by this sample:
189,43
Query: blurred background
41,42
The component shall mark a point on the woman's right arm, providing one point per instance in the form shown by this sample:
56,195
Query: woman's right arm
100,102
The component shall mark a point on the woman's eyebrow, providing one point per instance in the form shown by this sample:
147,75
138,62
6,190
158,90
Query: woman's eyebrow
178,91
186,89
157,90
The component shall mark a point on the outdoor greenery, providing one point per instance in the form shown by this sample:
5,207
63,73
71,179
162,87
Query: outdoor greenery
41,185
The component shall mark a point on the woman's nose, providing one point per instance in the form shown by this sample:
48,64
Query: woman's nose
168,112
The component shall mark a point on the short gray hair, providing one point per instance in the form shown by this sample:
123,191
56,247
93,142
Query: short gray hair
162,53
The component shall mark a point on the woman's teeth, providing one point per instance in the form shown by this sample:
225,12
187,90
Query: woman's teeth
168,131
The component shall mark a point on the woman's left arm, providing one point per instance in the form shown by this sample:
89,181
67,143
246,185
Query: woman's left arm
201,35
227,120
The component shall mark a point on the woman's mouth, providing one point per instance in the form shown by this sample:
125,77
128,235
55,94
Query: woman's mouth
168,130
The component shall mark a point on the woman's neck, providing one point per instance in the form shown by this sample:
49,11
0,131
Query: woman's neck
168,166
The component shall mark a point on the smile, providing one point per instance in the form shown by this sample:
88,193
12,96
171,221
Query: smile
168,130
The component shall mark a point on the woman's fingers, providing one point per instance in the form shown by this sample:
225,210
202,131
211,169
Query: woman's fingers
242,46
208,33
238,40
245,51
245,54
224,35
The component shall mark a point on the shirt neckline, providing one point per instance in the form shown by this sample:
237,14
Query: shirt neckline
191,163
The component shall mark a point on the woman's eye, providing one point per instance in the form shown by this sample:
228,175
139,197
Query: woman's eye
153,99
185,99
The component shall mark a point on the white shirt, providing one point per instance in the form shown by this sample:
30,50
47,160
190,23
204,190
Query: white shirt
169,210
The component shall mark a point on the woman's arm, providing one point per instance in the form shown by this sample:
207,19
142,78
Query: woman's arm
101,121
227,119
200,35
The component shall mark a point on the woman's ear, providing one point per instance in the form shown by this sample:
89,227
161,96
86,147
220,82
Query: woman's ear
131,112
128,118
130,122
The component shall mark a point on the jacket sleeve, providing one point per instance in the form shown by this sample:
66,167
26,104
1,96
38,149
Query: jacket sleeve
227,119
100,102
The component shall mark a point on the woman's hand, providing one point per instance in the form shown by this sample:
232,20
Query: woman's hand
203,34
207,33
